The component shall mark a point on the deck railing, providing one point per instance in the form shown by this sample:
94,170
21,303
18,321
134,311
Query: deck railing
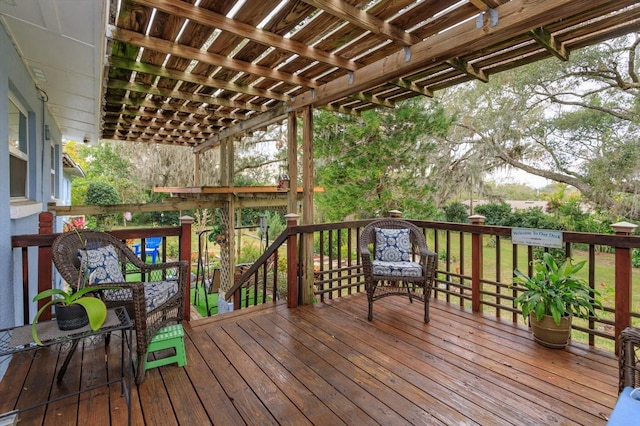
32,257
475,270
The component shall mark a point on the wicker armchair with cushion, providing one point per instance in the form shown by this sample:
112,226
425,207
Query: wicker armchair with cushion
627,408
153,294
401,264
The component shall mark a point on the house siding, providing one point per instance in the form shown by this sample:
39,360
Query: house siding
16,80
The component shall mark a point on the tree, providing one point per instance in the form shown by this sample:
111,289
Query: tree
102,193
378,161
104,164
573,122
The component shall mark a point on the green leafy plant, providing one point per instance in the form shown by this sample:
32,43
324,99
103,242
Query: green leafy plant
95,308
79,295
556,290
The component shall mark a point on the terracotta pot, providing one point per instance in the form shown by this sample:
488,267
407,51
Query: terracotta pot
71,317
548,333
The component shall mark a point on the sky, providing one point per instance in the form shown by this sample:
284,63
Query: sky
519,176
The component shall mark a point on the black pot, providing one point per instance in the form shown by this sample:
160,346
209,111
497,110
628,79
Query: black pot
71,317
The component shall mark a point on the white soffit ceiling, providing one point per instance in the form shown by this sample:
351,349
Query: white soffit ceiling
62,43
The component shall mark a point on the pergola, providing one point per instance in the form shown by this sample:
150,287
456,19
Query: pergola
195,73
202,73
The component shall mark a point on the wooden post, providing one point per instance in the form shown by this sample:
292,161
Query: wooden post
307,201
476,263
45,268
292,262
185,254
623,281
224,169
196,172
292,159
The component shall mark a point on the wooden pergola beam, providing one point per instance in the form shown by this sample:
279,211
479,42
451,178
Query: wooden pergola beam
340,109
409,85
128,116
549,42
181,94
515,17
131,65
274,115
192,53
212,19
465,67
210,116
364,20
373,100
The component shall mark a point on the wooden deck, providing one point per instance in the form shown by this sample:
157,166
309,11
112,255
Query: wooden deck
327,365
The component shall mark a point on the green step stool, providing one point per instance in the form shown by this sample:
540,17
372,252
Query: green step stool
171,336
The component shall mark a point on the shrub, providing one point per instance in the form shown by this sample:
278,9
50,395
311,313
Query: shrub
456,212
495,213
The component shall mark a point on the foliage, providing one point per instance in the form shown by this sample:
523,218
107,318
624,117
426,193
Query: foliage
456,212
276,224
509,191
378,161
321,240
102,193
495,213
635,258
533,218
555,290
573,122
249,253
558,254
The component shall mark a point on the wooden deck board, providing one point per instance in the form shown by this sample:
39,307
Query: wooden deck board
326,364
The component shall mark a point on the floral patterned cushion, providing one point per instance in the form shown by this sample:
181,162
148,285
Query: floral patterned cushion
397,269
392,245
103,265
155,293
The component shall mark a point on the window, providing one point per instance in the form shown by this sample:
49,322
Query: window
18,150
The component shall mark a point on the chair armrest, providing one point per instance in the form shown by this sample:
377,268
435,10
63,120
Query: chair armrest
629,360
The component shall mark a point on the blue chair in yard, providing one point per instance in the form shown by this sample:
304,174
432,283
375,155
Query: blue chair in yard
151,246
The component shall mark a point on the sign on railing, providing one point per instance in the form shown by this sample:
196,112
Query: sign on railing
537,237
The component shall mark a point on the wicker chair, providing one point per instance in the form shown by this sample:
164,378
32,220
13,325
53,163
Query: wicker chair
629,358
407,268
153,302
627,408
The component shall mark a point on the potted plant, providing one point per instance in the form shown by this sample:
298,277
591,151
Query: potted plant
75,306
219,234
552,295
82,308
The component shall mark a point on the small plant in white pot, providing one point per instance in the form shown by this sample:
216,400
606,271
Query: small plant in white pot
552,295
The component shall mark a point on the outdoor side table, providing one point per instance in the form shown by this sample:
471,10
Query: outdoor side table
19,339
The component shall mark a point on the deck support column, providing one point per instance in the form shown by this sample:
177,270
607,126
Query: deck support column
476,263
45,270
292,159
292,261
185,254
623,281
307,202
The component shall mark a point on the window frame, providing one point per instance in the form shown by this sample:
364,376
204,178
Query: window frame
22,151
